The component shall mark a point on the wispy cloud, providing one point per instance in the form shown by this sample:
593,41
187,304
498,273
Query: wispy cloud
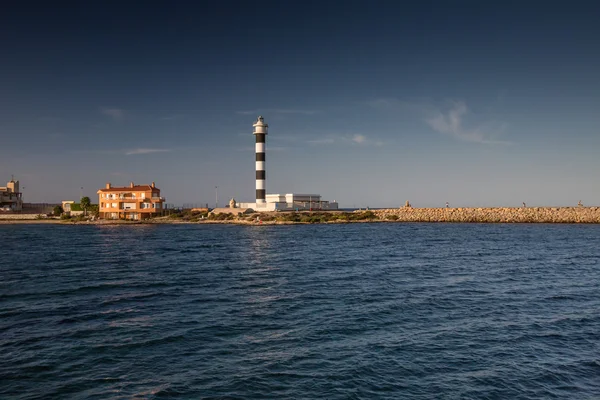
321,141
277,111
363,140
359,139
451,122
454,120
145,151
114,113
348,139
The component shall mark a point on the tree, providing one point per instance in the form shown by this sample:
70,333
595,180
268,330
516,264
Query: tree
58,210
85,204
94,210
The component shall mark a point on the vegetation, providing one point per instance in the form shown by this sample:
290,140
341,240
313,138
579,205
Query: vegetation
221,217
58,210
188,215
94,210
85,204
314,217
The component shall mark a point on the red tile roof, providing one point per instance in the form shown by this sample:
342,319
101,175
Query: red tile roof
136,188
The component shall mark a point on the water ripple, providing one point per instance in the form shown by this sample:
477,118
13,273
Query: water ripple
357,311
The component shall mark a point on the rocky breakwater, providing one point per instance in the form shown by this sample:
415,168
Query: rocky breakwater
587,215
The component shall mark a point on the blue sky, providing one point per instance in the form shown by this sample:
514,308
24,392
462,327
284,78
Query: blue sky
368,103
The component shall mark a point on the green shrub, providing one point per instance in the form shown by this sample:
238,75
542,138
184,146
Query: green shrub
361,216
341,217
221,217
288,217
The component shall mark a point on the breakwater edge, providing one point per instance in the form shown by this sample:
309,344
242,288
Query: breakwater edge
571,215
565,215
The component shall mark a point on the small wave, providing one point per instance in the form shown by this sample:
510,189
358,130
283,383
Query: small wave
124,297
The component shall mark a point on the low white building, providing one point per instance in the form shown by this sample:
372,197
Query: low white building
11,198
292,202
71,208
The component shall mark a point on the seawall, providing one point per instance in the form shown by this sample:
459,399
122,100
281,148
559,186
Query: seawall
587,215
15,217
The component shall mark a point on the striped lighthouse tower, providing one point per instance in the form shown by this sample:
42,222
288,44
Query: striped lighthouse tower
260,131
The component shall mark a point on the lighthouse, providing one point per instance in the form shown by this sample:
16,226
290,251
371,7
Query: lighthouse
260,131
275,201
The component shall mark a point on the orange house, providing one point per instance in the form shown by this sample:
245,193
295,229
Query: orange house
133,202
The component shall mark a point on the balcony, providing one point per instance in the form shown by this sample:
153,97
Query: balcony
130,199
158,199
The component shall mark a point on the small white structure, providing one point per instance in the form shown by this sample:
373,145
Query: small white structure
292,202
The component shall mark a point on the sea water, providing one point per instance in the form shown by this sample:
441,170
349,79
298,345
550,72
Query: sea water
357,311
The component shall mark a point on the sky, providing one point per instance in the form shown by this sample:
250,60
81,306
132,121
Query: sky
369,103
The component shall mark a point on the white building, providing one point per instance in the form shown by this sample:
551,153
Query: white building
292,202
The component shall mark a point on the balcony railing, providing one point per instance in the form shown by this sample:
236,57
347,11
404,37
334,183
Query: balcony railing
135,199
123,198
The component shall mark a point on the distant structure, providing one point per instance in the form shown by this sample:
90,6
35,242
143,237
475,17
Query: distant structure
11,198
71,208
278,202
130,202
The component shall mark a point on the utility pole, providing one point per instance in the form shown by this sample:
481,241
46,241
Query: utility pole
81,193
216,197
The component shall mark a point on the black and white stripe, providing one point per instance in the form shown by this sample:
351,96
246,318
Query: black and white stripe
260,131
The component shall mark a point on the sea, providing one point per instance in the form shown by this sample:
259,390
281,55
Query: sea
332,311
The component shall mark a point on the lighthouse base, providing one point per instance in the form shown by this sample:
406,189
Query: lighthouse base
292,202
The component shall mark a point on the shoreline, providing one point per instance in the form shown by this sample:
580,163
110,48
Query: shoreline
508,215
